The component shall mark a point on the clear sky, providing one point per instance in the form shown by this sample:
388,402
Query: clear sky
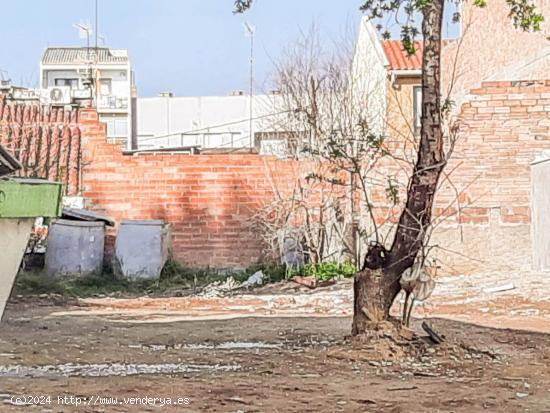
190,47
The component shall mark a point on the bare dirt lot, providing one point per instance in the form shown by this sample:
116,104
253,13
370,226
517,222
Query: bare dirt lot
277,351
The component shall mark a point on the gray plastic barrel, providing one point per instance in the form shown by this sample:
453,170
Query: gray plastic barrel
75,247
142,248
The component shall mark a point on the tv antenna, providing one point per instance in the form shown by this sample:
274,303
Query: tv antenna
84,32
96,23
250,31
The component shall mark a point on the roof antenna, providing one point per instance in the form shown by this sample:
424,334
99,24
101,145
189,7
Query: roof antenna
84,31
250,31
96,24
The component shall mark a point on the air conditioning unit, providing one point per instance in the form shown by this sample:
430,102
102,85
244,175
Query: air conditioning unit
59,95
82,93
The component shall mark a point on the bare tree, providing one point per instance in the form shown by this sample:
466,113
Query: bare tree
306,218
378,283
333,118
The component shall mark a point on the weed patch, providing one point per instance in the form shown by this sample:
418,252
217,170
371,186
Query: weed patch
175,280
327,270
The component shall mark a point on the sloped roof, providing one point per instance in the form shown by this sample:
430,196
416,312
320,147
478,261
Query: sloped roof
399,59
79,55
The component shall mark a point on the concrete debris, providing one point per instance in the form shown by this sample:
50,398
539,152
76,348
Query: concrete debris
220,288
109,369
236,400
312,282
229,345
524,307
209,305
255,279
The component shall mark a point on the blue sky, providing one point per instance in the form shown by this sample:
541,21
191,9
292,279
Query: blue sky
190,47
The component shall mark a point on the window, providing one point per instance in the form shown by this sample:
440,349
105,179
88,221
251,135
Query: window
417,107
105,86
72,83
117,127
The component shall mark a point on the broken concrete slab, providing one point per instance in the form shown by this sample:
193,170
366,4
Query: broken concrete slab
312,282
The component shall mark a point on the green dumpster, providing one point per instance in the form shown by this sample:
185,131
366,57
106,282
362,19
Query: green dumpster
21,202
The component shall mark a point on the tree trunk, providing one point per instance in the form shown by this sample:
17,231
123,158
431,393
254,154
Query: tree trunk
373,301
377,284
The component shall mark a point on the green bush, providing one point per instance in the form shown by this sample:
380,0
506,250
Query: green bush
327,270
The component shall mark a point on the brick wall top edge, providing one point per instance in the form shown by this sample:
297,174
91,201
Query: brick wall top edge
217,156
493,86
496,84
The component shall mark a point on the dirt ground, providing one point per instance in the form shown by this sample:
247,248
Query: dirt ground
281,349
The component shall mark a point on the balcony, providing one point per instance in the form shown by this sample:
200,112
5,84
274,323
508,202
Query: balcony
112,102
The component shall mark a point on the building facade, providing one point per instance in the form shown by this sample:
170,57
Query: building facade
207,122
97,77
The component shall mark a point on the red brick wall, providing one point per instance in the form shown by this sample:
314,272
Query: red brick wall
504,126
491,48
211,199
208,199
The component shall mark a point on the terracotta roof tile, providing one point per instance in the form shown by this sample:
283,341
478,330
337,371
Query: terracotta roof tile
399,59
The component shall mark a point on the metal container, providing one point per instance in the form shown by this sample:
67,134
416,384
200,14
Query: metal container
75,247
21,201
142,248
13,241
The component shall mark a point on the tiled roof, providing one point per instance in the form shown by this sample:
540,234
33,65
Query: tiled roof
78,55
399,59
